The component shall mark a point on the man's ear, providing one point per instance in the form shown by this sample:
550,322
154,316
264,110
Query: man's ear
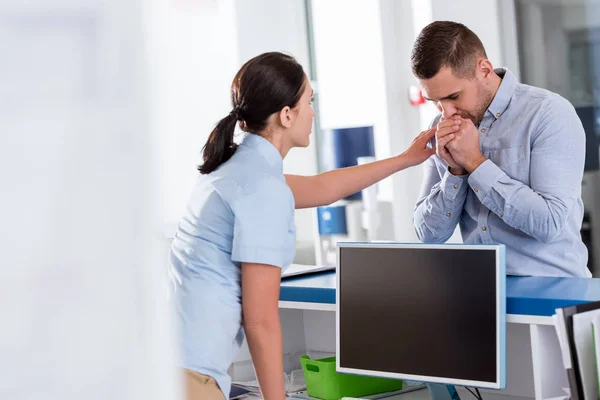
485,68
286,117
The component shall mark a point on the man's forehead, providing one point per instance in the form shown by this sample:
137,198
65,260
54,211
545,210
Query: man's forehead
441,90
442,85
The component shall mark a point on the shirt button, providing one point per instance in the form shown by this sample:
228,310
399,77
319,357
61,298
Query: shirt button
497,115
483,130
448,214
484,228
476,190
455,186
500,214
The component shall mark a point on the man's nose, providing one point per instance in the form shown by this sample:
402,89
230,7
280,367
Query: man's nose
447,109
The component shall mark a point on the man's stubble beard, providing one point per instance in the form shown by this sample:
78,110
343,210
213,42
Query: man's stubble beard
484,100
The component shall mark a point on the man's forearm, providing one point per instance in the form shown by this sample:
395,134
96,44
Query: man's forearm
437,214
519,206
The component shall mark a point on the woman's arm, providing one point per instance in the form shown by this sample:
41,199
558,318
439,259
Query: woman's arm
331,186
260,318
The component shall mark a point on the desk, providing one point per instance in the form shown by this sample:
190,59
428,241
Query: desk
534,366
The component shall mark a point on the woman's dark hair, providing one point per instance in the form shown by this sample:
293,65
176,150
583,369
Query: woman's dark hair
446,44
263,86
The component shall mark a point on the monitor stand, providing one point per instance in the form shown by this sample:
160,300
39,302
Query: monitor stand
439,391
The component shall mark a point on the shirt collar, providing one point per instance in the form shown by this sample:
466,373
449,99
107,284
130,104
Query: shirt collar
504,93
265,149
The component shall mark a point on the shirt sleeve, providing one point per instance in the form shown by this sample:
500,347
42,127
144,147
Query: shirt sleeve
440,204
542,209
263,218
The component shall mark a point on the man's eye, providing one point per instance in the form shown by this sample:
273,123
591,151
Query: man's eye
453,98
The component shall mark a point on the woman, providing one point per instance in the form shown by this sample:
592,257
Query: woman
238,231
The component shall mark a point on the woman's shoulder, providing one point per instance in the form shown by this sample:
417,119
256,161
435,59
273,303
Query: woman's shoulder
265,183
253,184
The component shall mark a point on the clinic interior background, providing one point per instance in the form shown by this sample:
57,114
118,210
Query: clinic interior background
357,54
105,106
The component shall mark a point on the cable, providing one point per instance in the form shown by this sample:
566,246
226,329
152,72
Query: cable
473,393
479,394
476,395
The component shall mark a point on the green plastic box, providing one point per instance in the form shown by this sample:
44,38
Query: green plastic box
323,382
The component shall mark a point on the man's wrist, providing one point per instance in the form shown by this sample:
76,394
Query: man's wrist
474,164
457,171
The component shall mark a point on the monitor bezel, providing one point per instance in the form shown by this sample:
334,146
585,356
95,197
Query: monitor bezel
500,382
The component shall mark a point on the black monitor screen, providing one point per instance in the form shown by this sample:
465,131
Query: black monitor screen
430,312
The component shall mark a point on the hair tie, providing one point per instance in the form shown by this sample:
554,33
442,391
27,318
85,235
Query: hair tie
236,113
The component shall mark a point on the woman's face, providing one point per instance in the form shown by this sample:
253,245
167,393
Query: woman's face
302,127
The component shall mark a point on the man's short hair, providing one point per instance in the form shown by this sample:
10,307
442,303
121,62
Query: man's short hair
446,44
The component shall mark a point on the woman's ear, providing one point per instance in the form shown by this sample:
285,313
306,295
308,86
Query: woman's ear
286,117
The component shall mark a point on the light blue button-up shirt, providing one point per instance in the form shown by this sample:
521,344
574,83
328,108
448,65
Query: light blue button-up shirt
526,195
242,212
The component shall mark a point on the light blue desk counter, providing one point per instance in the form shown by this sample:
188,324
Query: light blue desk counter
534,363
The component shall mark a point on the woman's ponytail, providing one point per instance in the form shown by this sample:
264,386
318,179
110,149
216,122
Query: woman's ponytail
220,146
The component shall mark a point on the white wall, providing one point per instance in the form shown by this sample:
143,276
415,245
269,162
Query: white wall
350,70
193,56
269,25
533,42
404,120
80,289
556,55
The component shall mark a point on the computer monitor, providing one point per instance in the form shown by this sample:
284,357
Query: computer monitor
428,313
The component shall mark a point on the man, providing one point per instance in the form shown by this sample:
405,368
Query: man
509,159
